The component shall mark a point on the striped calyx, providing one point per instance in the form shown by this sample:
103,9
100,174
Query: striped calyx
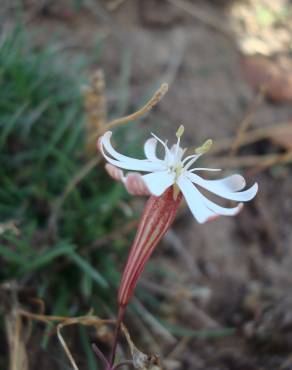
156,219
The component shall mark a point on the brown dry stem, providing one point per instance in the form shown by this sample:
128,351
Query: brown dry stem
158,95
87,320
260,161
16,340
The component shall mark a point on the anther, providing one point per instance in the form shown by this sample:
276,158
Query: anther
205,147
180,131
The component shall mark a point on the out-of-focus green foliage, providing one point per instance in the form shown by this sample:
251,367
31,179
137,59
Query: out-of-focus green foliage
41,146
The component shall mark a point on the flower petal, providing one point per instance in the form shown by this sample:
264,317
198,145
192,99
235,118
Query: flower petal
114,172
194,200
123,161
158,182
205,169
232,183
135,184
222,210
226,188
150,149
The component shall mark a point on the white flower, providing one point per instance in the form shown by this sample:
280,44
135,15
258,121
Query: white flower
175,169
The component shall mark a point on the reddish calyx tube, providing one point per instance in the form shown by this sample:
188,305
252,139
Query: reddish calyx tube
157,217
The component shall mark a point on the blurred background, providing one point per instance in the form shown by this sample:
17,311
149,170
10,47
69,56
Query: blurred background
213,296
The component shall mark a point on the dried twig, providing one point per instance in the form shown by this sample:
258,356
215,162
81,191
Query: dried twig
246,122
65,347
18,357
155,99
260,161
159,94
251,137
87,320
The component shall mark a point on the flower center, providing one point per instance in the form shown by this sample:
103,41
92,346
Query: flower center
175,163
178,168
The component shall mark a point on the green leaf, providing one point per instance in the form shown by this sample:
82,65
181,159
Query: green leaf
88,269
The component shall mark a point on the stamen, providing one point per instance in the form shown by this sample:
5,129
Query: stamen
189,157
192,161
180,131
179,134
164,145
205,147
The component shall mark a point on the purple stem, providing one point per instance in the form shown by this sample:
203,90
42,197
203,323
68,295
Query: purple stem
116,337
124,363
100,356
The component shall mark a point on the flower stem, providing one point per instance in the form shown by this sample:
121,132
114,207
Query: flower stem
116,336
124,363
100,356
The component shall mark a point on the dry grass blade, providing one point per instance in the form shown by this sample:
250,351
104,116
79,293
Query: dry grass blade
88,320
260,161
84,320
252,137
65,347
15,331
15,335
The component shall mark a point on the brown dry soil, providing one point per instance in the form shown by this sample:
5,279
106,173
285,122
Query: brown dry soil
231,273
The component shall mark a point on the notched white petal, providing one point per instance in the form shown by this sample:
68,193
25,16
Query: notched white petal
222,210
194,200
150,149
226,188
234,182
122,161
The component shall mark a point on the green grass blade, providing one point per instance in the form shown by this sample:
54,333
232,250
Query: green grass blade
88,269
